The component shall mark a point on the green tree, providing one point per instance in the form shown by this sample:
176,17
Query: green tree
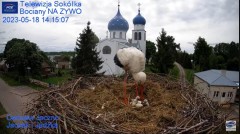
23,54
10,44
184,59
150,50
87,60
226,56
202,51
217,62
166,55
233,50
233,64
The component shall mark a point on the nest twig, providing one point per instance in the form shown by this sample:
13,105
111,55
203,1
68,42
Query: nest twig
99,110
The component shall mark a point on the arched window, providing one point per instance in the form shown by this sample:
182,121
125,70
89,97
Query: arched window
120,35
144,36
114,34
135,36
106,50
139,36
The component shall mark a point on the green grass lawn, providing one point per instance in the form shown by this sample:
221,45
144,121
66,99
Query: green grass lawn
9,80
57,80
12,82
174,72
189,75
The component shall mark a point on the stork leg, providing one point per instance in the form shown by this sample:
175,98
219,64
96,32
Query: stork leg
125,90
141,91
136,84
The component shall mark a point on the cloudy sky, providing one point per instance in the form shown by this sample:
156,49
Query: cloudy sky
185,20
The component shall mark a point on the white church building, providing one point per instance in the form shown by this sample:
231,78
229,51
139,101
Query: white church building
118,27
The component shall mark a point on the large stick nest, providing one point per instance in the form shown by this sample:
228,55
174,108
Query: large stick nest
95,105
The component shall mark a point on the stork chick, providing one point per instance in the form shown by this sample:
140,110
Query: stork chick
140,79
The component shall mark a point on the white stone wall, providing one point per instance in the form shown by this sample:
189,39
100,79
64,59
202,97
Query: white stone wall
109,67
226,90
139,27
142,42
117,35
204,88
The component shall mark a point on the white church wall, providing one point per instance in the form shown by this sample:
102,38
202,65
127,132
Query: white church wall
139,27
108,64
118,35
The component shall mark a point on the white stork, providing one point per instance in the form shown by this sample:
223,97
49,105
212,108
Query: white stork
132,61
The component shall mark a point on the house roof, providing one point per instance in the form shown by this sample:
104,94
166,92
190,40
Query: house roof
219,77
45,65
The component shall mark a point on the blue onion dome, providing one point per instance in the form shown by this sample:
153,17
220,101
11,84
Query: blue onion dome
139,20
118,23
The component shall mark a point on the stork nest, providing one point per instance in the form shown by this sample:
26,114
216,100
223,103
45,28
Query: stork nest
95,105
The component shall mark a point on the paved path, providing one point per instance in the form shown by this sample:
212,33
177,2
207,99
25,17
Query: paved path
13,99
182,74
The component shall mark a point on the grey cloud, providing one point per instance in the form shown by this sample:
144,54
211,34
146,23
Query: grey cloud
2,32
190,42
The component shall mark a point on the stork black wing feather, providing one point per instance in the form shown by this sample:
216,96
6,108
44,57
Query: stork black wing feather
117,61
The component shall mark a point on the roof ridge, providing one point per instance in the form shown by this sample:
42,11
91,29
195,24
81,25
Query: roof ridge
212,70
217,78
223,77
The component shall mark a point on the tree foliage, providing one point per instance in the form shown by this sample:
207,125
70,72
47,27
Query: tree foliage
201,54
166,55
225,56
87,60
184,59
22,54
222,56
150,50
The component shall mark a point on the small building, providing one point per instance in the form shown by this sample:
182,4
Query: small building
46,69
63,65
219,85
62,62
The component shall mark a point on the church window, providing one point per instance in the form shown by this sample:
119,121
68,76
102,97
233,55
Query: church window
120,35
106,50
114,34
135,36
139,36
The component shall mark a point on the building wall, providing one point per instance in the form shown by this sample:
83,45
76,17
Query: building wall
208,90
108,65
202,86
225,90
140,29
118,35
63,65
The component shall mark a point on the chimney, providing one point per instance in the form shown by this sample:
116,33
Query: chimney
223,72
